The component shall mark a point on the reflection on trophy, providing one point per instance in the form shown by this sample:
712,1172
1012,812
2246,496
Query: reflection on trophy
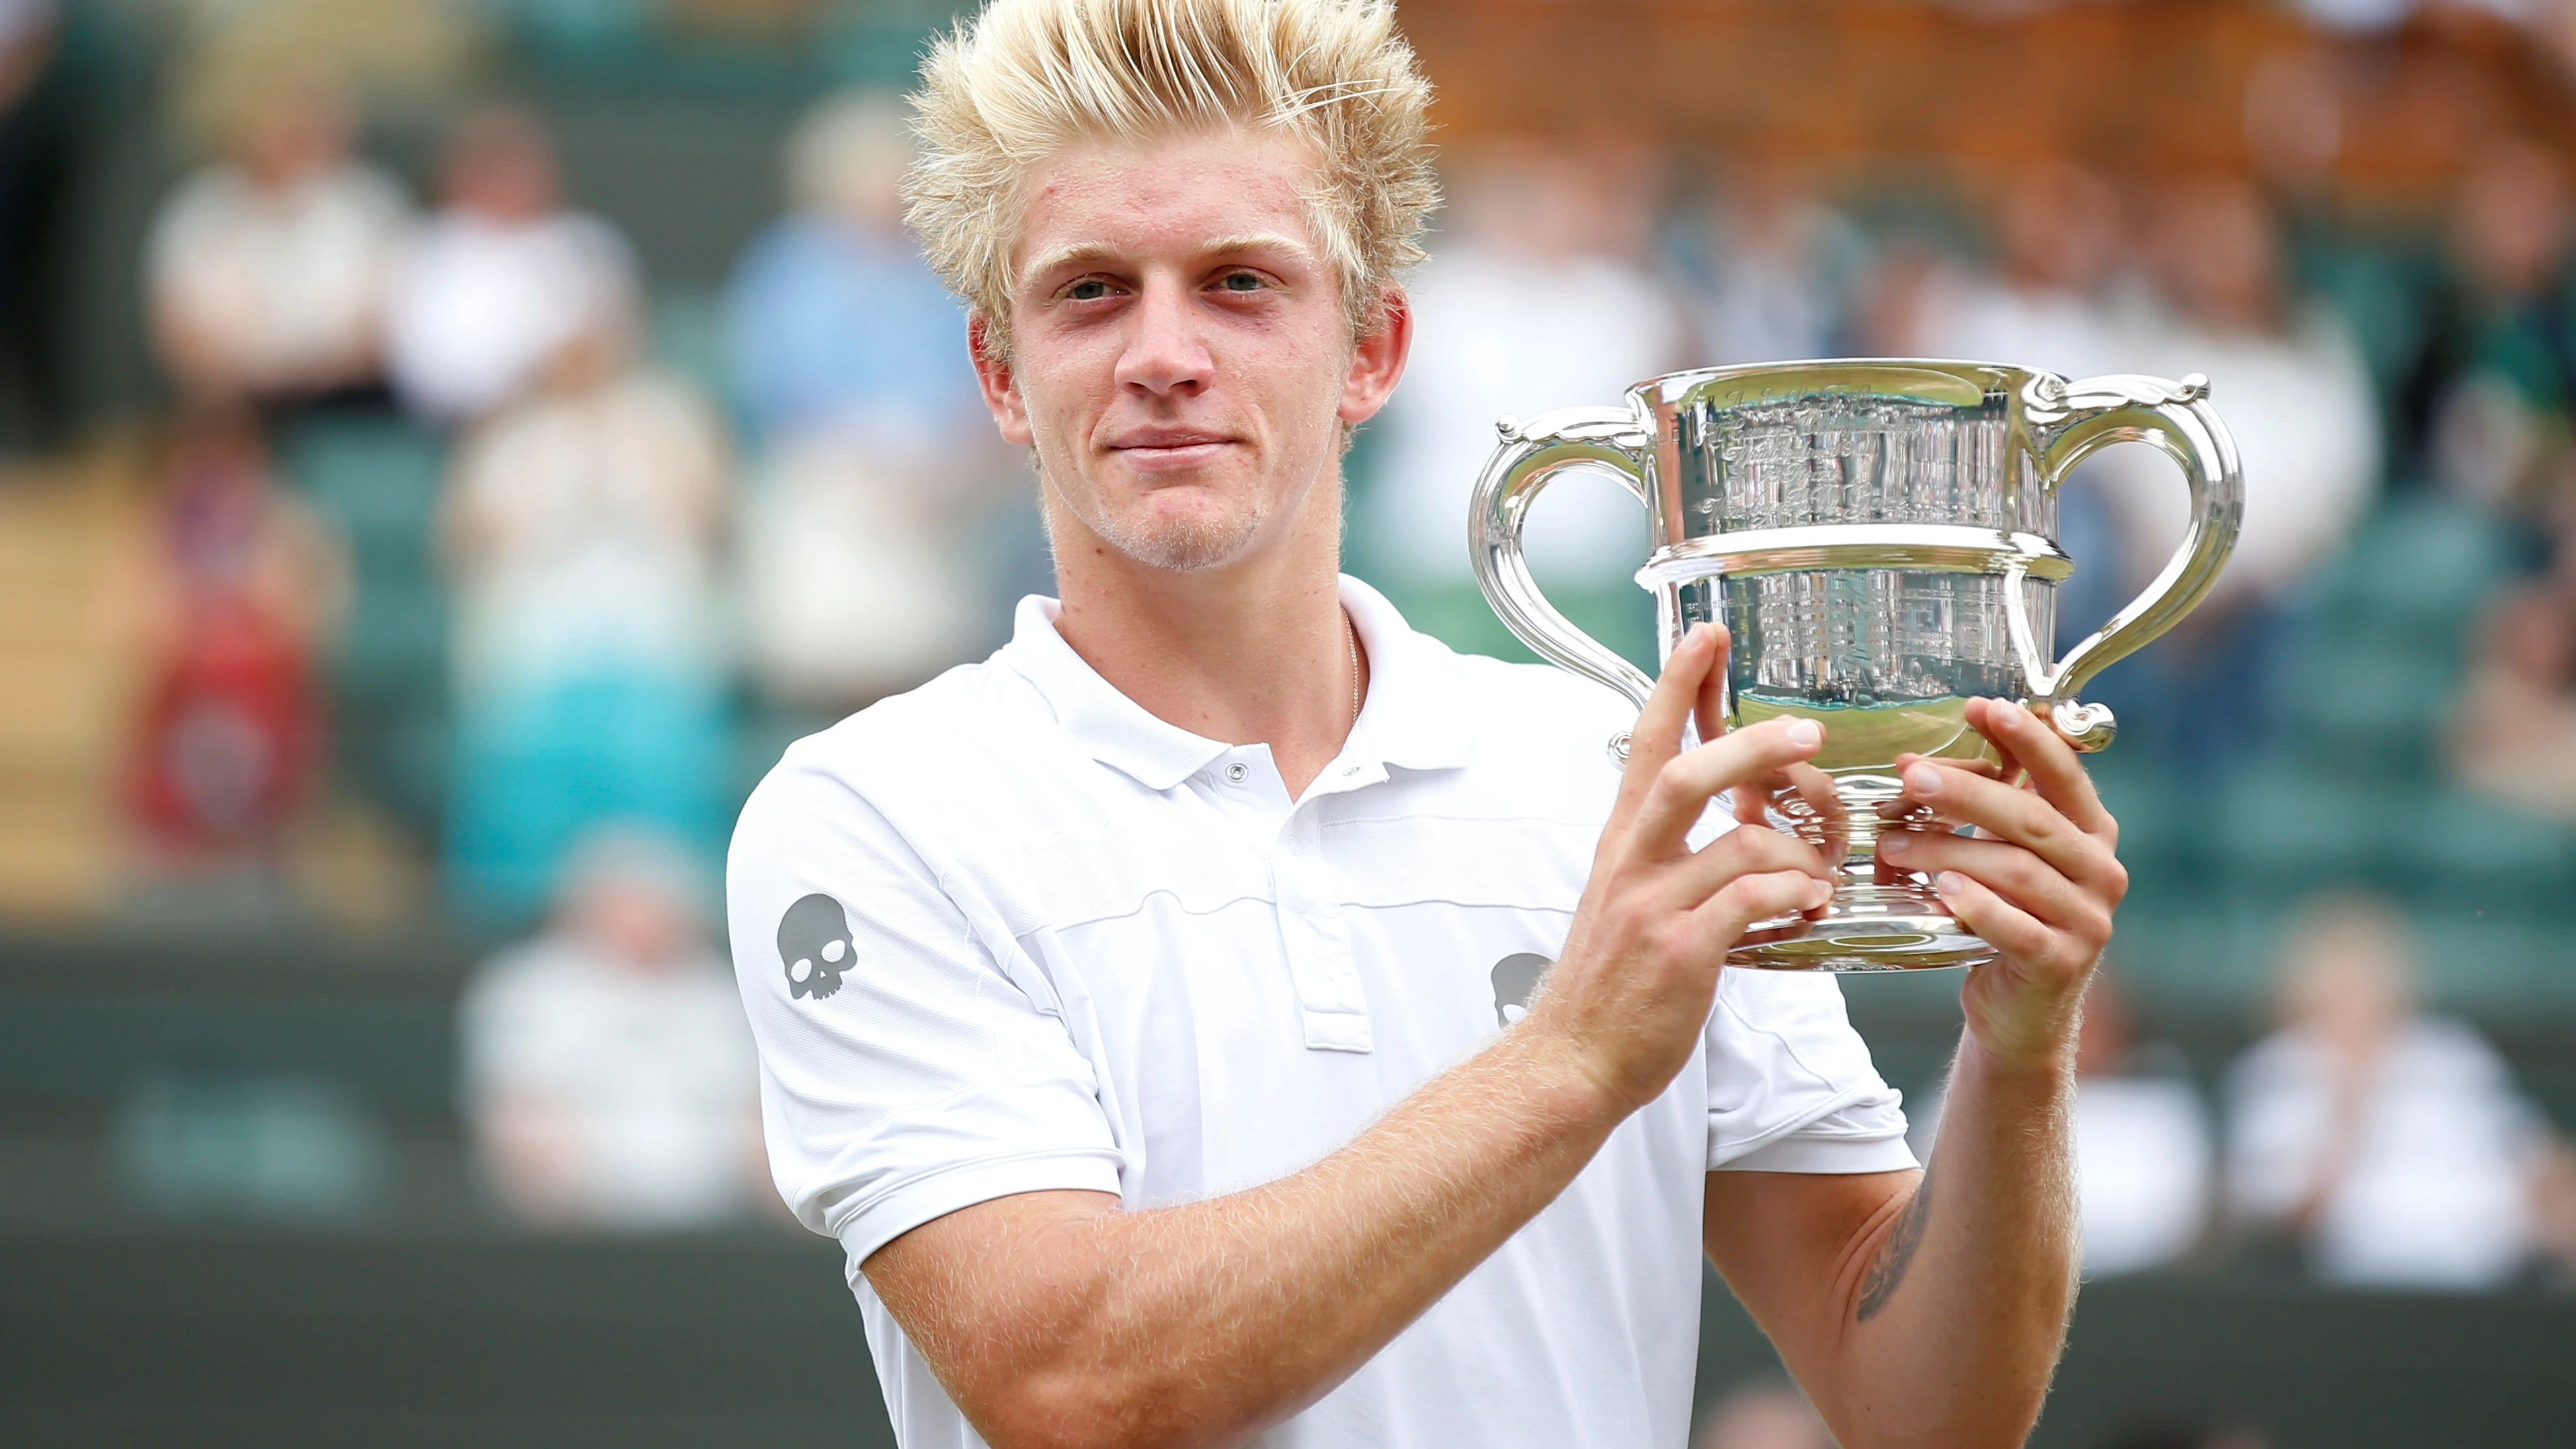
1879,537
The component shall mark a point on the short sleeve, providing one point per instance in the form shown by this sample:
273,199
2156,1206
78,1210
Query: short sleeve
1791,1085
904,1073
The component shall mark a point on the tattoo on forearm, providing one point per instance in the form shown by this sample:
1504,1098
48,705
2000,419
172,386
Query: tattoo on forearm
1887,1270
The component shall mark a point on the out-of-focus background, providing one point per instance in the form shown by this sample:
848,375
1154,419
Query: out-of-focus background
447,450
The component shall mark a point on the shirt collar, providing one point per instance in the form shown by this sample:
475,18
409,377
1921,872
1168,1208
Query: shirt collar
1412,718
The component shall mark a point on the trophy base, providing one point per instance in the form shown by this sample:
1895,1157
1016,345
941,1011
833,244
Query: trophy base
1865,928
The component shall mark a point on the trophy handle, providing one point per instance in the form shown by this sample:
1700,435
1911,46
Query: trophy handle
1532,455
2079,419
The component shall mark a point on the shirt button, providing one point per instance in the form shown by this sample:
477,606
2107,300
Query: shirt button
1235,772
1296,847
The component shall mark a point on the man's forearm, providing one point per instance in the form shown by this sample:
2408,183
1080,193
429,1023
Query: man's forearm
1203,1322
1957,1309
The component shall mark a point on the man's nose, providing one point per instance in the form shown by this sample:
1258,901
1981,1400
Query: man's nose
1165,352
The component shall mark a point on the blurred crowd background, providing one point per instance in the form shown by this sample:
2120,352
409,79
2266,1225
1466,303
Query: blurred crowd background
448,449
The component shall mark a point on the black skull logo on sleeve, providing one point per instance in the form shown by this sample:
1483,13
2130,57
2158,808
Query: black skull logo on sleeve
814,945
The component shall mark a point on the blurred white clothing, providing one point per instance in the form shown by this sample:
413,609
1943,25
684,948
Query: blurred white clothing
2062,332
286,282
2142,1158
2434,1194
854,583
2306,425
587,525
479,306
649,1078
1497,335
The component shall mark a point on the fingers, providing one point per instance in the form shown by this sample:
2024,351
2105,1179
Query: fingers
1745,850
2012,873
2006,812
2030,741
1657,737
2020,936
1681,787
1723,917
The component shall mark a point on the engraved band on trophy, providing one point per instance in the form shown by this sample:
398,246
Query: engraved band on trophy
1879,537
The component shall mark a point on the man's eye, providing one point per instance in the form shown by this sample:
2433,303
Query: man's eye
1242,282
1089,289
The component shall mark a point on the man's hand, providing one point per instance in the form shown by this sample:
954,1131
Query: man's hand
2039,880
1631,993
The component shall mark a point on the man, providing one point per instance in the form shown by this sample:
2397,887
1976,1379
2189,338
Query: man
1133,1005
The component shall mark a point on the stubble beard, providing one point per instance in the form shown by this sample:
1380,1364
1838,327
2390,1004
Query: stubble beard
1180,545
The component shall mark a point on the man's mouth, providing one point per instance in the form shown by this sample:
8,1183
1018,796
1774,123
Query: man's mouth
1166,449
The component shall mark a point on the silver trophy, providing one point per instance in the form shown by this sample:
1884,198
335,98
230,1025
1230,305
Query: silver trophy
1880,538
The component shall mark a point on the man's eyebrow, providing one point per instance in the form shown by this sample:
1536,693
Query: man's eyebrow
1258,241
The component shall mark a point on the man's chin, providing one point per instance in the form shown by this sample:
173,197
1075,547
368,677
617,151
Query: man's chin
1186,546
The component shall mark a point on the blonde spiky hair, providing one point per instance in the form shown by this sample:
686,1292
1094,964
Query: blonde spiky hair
1010,87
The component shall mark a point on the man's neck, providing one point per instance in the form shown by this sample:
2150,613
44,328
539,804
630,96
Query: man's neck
1256,652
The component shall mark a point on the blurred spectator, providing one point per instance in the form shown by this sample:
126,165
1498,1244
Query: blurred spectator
832,319
267,271
243,585
608,1074
582,527
2061,252
502,277
1763,1414
850,364
2513,732
2287,371
1539,298
1773,269
2390,1144
2142,1146
2486,406
2298,401
2058,236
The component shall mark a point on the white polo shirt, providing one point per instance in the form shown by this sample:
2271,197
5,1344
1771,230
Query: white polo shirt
1010,932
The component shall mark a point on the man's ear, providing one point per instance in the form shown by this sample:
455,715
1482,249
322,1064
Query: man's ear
1000,386
1378,357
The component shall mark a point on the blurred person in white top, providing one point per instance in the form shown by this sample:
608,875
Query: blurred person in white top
2288,371
865,561
266,272
1538,296
501,277
583,526
1773,270
2301,409
607,1071
2389,1143
2059,254
2052,302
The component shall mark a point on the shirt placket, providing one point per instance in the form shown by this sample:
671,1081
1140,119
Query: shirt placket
1316,939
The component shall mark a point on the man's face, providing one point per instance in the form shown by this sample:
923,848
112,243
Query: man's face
1180,357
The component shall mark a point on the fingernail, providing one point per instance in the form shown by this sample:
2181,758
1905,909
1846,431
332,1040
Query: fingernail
1923,780
1806,732
1947,883
1822,892
1895,842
